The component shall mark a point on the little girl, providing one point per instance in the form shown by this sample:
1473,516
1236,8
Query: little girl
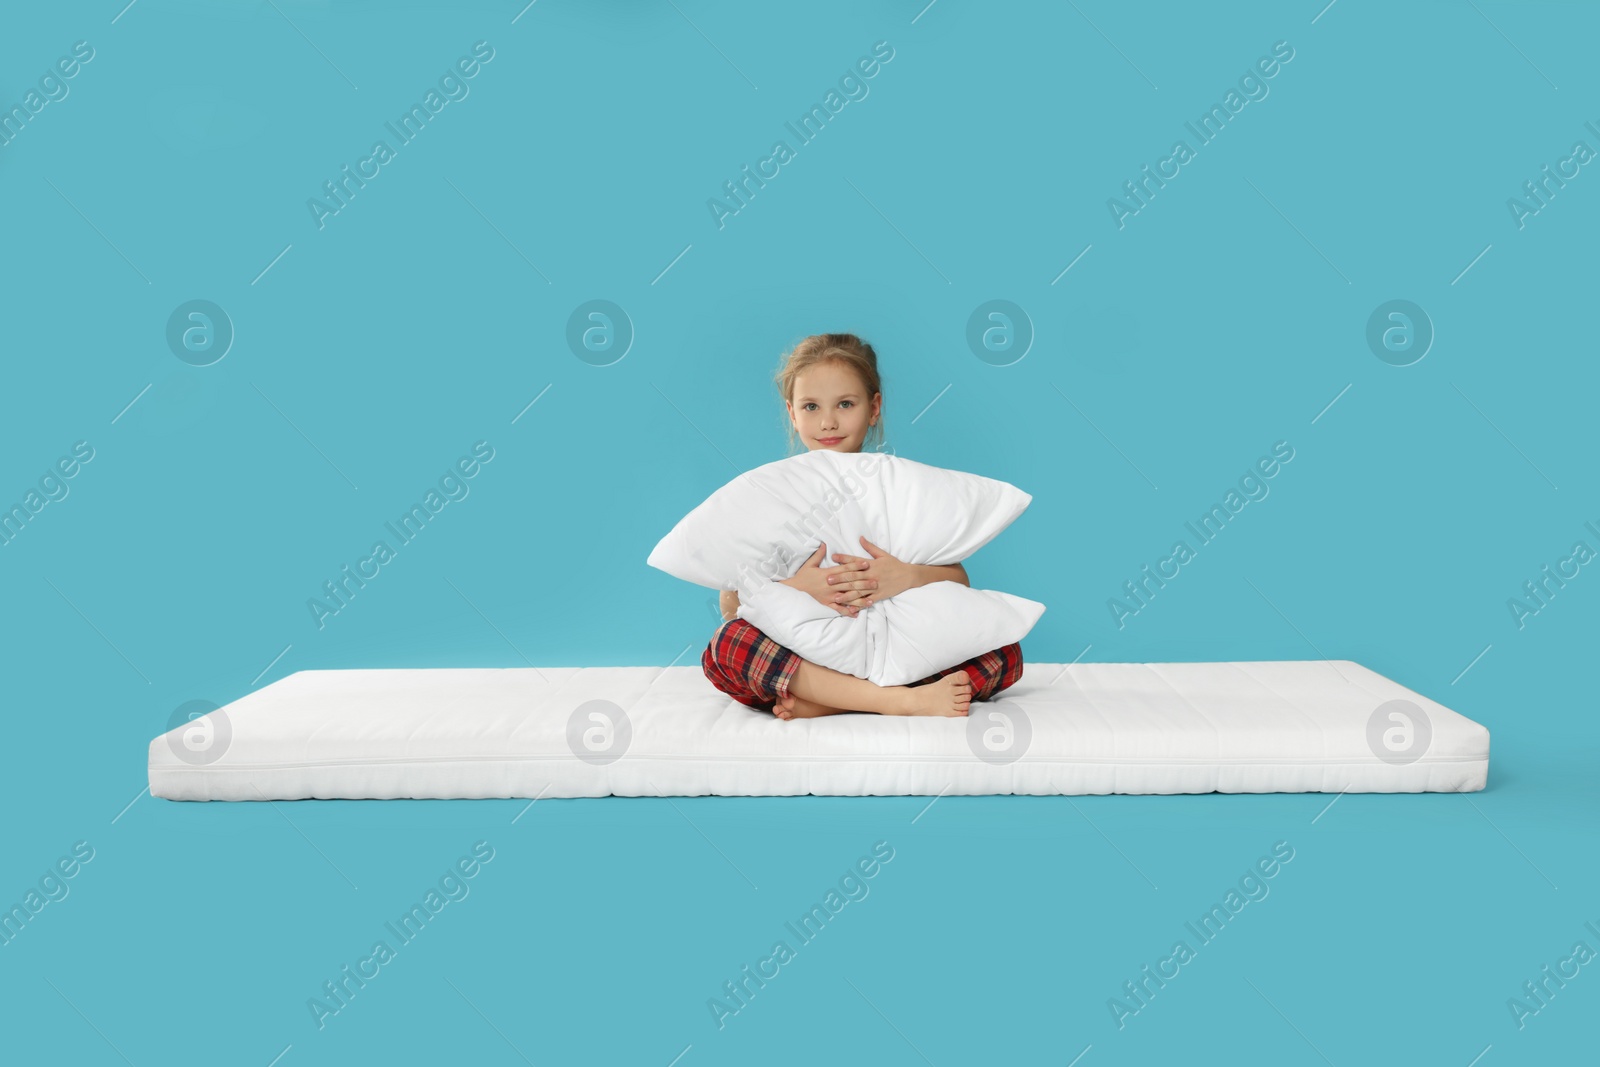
831,388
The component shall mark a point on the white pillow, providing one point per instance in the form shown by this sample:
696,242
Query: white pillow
764,524
897,641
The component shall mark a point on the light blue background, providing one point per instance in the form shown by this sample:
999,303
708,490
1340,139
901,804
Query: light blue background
426,315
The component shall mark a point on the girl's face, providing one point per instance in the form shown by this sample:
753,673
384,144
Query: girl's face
830,407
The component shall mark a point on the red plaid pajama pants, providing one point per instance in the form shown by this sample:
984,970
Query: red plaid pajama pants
753,669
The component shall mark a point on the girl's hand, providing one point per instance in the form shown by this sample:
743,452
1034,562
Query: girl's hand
862,580
813,580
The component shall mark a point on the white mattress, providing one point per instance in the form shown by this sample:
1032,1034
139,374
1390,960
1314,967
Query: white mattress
1257,727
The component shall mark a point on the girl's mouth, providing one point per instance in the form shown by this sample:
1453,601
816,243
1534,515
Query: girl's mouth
829,440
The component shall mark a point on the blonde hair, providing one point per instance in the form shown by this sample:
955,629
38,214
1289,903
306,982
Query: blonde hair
845,348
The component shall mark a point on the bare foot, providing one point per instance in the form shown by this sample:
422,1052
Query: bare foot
794,707
949,696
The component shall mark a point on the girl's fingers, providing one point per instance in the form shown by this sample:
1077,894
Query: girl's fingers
839,581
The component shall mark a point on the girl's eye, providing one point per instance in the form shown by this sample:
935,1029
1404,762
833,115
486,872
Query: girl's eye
848,403
807,406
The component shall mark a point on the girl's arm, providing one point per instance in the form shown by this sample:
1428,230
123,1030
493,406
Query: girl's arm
728,602
954,572
866,581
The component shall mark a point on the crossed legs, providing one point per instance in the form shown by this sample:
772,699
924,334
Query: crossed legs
815,690
755,670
